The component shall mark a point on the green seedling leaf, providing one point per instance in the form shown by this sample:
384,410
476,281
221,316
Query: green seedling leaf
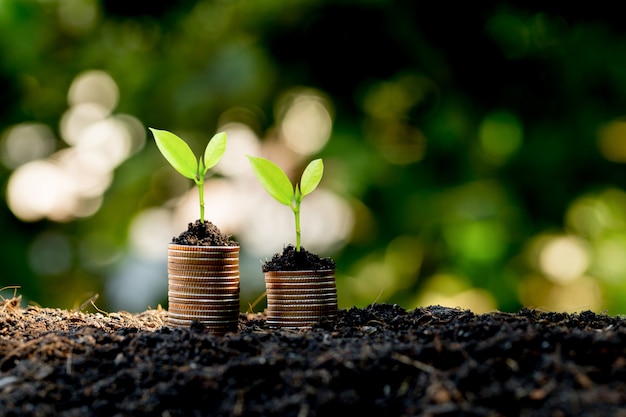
311,176
276,182
273,179
176,152
214,151
181,157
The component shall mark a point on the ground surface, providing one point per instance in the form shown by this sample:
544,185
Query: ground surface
381,360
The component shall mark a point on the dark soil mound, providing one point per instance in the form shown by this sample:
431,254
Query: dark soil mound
203,234
381,360
292,260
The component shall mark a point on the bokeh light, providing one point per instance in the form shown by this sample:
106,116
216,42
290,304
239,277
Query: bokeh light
389,106
108,138
94,87
589,217
80,117
40,189
78,16
489,176
454,291
225,206
87,170
478,240
384,275
70,183
306,121
26,142
242,141
500,136
578,295
609,260
146,240
612,141
564,258
394,100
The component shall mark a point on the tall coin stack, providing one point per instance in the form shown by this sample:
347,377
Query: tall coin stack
298,299
203,286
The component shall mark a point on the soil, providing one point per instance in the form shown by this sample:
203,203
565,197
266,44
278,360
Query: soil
203,234
380,360
208,234
291,260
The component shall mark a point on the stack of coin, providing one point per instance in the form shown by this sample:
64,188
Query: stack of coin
203,286
298,299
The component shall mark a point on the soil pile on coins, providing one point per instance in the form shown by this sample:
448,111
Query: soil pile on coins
291,260
203,234
379,360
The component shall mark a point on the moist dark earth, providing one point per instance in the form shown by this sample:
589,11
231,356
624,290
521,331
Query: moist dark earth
292,260
379,360
204,233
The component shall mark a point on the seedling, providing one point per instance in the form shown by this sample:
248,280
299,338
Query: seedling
277,184
181,157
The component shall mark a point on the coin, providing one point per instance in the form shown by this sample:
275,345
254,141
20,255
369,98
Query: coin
203,285
299,299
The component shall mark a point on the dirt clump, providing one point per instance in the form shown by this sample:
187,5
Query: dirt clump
292,260
378,360
203,234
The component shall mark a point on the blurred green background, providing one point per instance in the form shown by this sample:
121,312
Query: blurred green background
474,152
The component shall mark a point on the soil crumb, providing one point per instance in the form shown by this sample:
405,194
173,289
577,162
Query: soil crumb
381,360
292,260
203,234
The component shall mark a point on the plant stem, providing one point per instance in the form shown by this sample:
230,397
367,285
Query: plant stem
200,184
296,212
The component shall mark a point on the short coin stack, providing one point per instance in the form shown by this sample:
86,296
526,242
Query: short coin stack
298,299
203,286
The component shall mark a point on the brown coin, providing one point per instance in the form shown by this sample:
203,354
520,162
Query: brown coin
203,251
214,327
229,288
195,271
223,318
304,300
207,292
202,280
205,307
179,267
203,285
205,300
301,290
301,307
300,310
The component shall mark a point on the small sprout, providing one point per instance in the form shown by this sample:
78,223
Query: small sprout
277,184
181,157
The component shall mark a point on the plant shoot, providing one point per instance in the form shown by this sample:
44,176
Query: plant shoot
181,157
277,184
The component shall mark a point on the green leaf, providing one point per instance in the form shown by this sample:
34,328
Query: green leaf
273,179
311,176
176,152
214,151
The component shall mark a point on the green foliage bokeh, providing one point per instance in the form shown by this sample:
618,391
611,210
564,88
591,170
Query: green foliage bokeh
470,140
